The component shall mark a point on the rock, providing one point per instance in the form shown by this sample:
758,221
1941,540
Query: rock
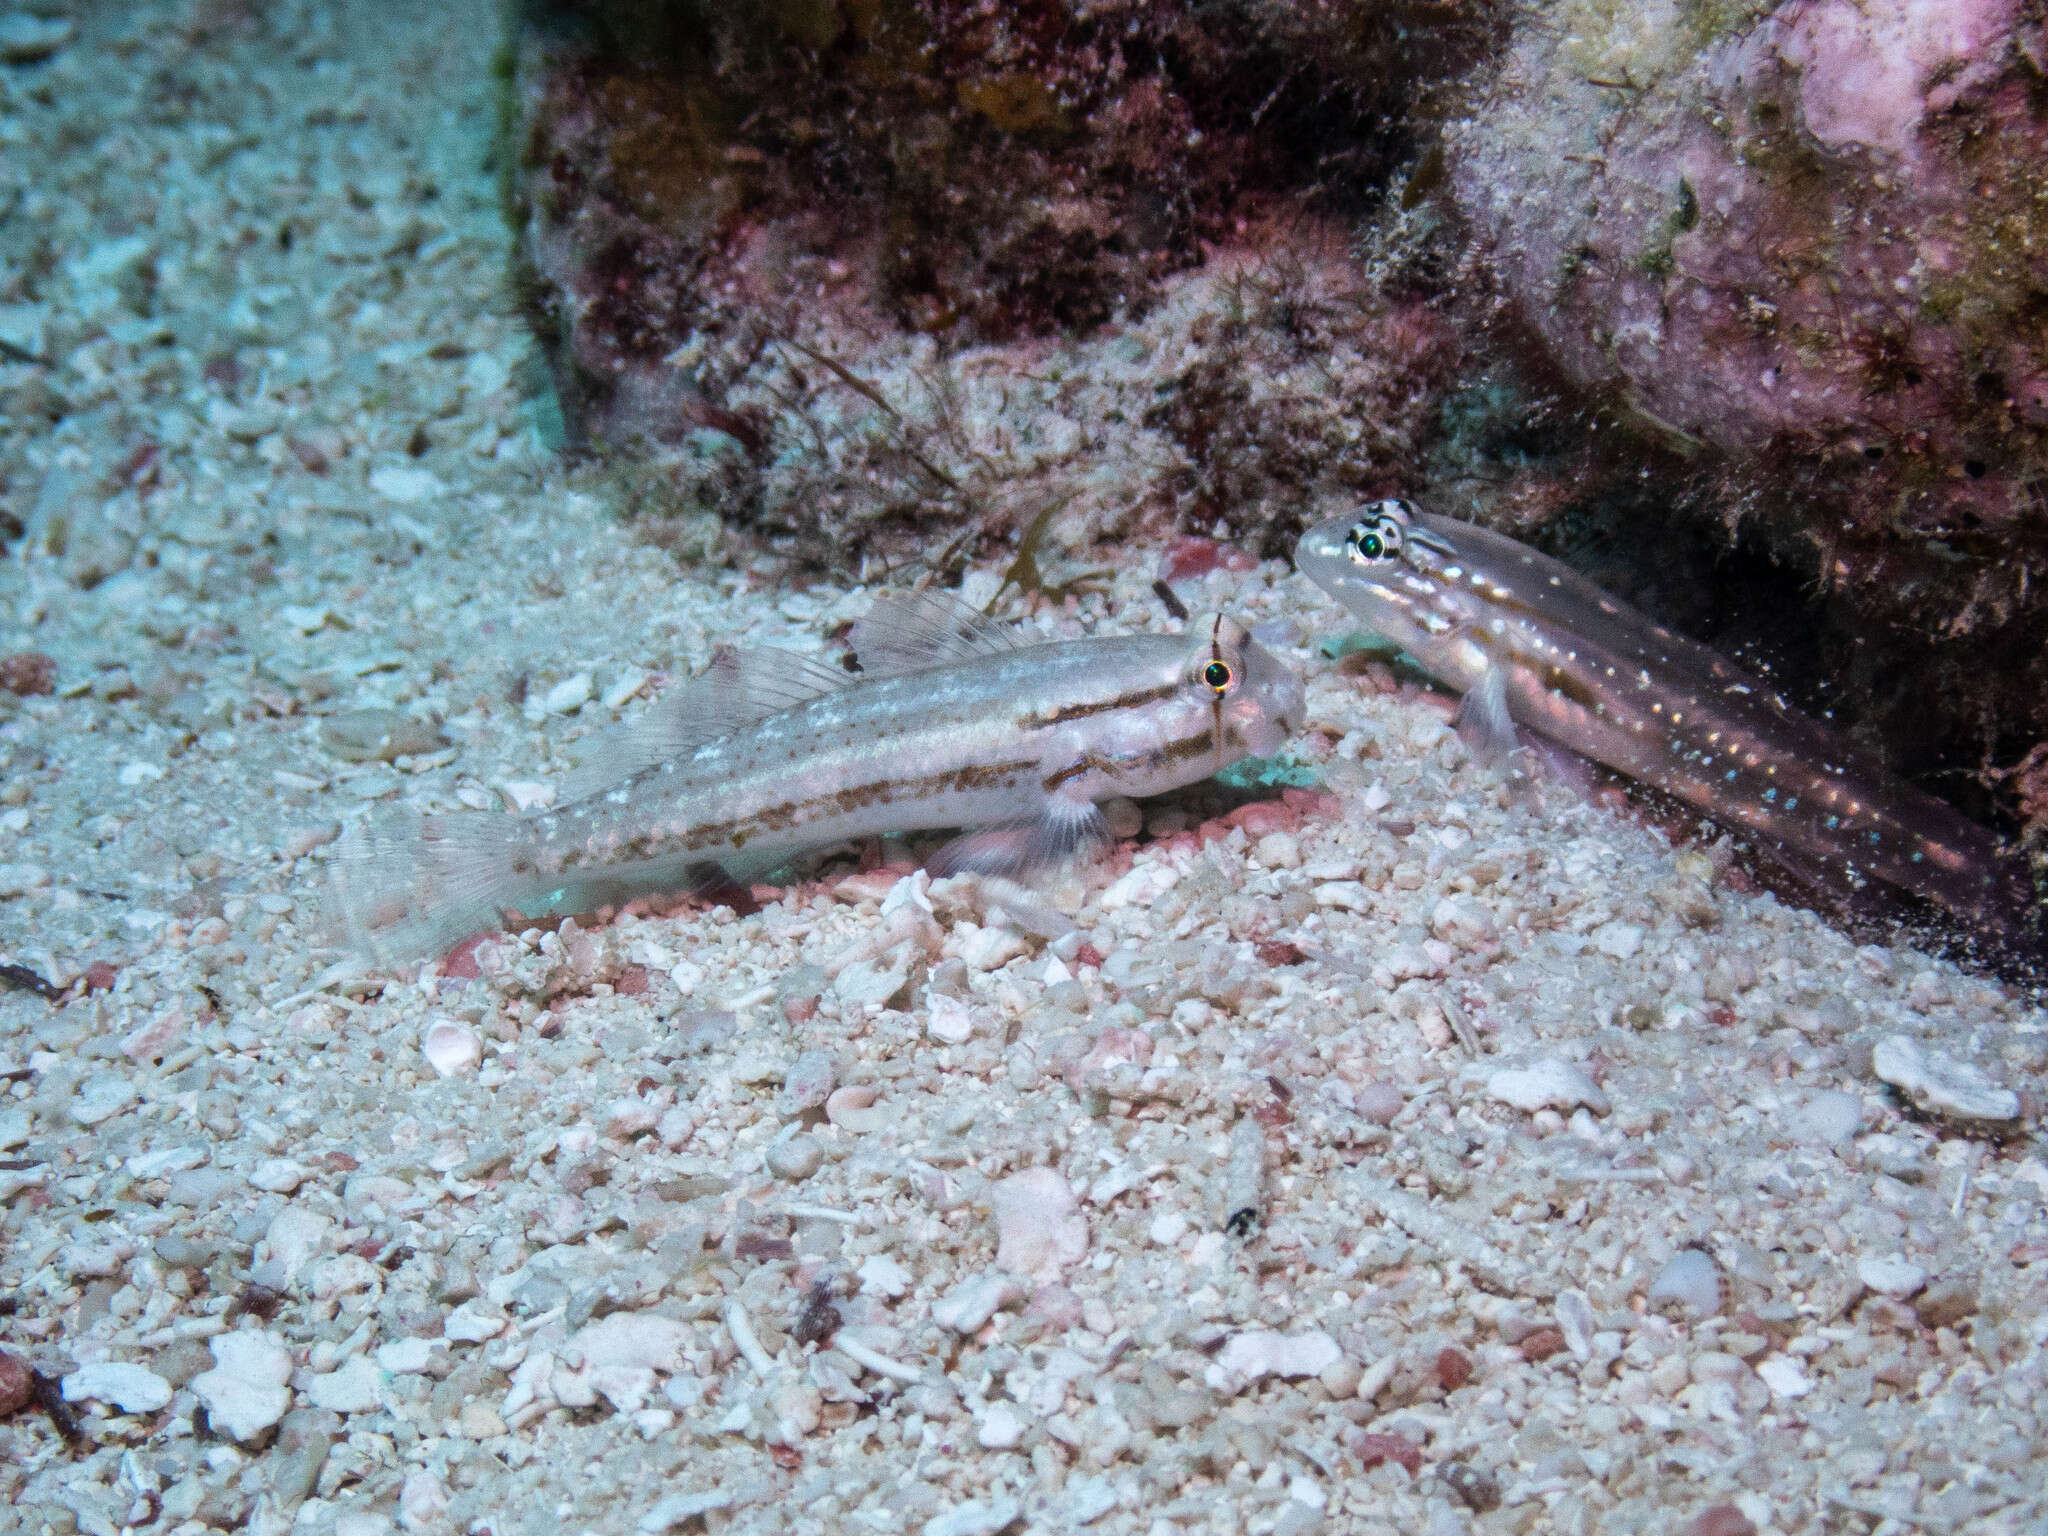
569,695
1252,1356
295,1235
1546,1084
1378,1103
975,1518
350,1389
1892,1275
796,1157
883,982
882,1276
20,879
1828,1118
1786,1376
131,1388
633,1341
1463,921
1039,1225
17,1384
1947,1302
972,1303
808,1083
473,1323
407,483
949,1020
678,1508
422,1502
408,1356
101,1097
246,1392
278,1175
853,1109
378,735
1000,1428
451,1048
1691,1279
1619,941
1938,1084
29,39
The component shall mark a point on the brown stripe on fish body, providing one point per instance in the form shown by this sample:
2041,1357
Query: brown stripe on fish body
738,831
1102,706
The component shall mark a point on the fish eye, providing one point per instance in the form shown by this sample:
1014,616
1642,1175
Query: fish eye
1218,675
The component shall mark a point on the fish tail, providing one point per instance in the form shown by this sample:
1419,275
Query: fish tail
409,888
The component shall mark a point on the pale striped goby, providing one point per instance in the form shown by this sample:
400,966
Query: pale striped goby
1527,640
952,722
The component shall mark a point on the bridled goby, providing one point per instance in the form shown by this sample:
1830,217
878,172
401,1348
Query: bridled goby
1529,641
953,721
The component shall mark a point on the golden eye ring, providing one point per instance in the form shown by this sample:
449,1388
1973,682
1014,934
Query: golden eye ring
1219,676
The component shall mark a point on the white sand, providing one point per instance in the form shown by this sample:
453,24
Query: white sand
1530,1057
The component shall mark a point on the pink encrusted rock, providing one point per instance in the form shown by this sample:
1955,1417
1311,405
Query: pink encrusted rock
1039,1226
1815,233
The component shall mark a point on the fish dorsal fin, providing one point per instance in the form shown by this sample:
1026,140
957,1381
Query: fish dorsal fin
909,631
738,689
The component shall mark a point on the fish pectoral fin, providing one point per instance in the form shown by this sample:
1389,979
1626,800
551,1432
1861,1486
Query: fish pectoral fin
736,690
1483,721
1062,830
909,631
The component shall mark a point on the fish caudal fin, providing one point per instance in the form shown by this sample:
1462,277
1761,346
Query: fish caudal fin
1059,832
409,888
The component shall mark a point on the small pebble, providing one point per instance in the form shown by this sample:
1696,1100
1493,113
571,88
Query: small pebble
569,695
101,1097
643,1341
473,1322
1621,941
1259,1353
20,879
1691,1279
796,1158
969,1305
1828,1118
17,1384
278,1175
678,1508
1001,1427
29,39
975,1519
408,1356
246,1392
1039,1226
131,1388
1891,1275
853,1108
451,1048
406,483
350,1389
378,736
1379,1103
1546,1084
882,1276
950,1021
1785,1376
1938,1084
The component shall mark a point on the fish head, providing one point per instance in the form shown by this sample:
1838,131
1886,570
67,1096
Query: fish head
1386,566
1257,699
